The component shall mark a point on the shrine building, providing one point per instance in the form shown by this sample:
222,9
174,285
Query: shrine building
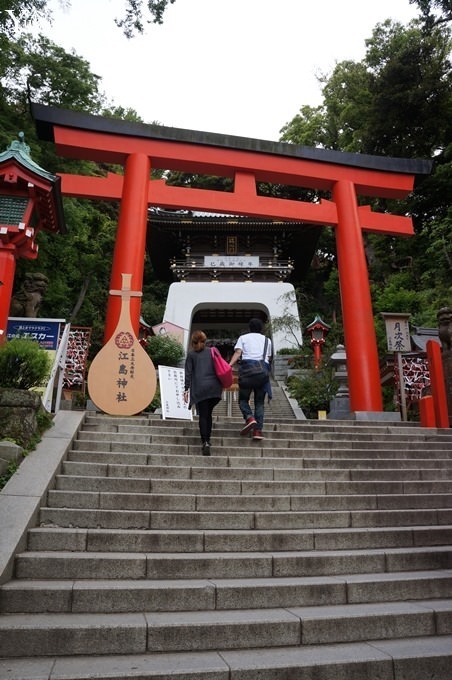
226,269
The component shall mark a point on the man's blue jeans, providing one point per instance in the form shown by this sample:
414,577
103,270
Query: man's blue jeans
244,404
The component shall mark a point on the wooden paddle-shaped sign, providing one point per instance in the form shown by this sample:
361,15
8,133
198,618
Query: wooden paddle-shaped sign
122,378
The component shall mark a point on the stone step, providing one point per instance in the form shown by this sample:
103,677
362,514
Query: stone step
191,434
208,484
352,427
154,420
78,470
175,459
287,447
313,428
253,450
141,442
138,633
136,499
188,541
400,659
147,519
83,565
138,595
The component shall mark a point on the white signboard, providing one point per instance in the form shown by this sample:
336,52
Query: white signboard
240,261
171,382
397,332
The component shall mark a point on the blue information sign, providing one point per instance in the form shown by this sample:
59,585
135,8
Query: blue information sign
44,331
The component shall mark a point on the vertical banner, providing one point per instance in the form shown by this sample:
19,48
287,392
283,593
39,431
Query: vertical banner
171,382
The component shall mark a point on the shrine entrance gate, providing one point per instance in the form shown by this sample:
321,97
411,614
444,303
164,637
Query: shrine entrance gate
139,147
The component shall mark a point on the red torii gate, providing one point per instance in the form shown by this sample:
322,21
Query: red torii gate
138,147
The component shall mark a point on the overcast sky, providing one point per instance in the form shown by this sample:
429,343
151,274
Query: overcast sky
239,67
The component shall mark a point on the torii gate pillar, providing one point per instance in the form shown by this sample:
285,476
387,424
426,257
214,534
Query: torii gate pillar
130,245
359,330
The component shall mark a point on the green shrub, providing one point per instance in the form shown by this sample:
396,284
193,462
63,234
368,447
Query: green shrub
313,390
11,468
23,364
164,350
44,420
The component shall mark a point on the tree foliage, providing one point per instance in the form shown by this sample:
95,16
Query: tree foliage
78,263
164,350
434,12
395,102
136,14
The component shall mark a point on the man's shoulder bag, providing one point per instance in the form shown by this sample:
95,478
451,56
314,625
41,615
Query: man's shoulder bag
254,374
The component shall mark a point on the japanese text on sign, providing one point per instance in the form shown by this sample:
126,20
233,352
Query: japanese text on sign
125,364
398,334
171,381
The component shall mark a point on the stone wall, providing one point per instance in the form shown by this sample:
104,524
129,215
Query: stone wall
18,414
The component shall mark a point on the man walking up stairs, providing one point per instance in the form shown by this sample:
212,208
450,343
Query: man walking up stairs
322,552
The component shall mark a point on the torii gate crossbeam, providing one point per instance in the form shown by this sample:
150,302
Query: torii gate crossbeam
140,147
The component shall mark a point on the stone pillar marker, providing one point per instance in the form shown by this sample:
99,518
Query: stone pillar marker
340,404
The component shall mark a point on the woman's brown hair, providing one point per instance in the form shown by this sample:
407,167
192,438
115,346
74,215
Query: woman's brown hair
198,340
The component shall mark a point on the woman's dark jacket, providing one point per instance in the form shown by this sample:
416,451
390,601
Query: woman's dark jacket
200,377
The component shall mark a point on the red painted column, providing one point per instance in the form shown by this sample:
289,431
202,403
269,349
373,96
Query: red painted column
317,355
130,246
359,331
427,411
7,271
438,385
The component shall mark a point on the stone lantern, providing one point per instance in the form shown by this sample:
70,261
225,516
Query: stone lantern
30,200
340,404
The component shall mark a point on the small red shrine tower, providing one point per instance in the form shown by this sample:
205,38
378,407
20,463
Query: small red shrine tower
30,200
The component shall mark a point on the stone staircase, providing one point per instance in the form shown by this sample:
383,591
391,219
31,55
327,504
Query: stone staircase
278,408
321,553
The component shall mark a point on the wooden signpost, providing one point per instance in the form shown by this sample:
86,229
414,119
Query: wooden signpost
122,378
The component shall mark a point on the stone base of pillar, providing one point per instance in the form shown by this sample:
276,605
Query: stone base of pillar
377,416
339,409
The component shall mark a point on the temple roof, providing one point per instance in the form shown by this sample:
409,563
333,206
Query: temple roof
420,336
48,203
20,151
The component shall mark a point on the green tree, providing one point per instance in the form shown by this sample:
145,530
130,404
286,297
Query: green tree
396,102
434,12
77,263
136,14
164,350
